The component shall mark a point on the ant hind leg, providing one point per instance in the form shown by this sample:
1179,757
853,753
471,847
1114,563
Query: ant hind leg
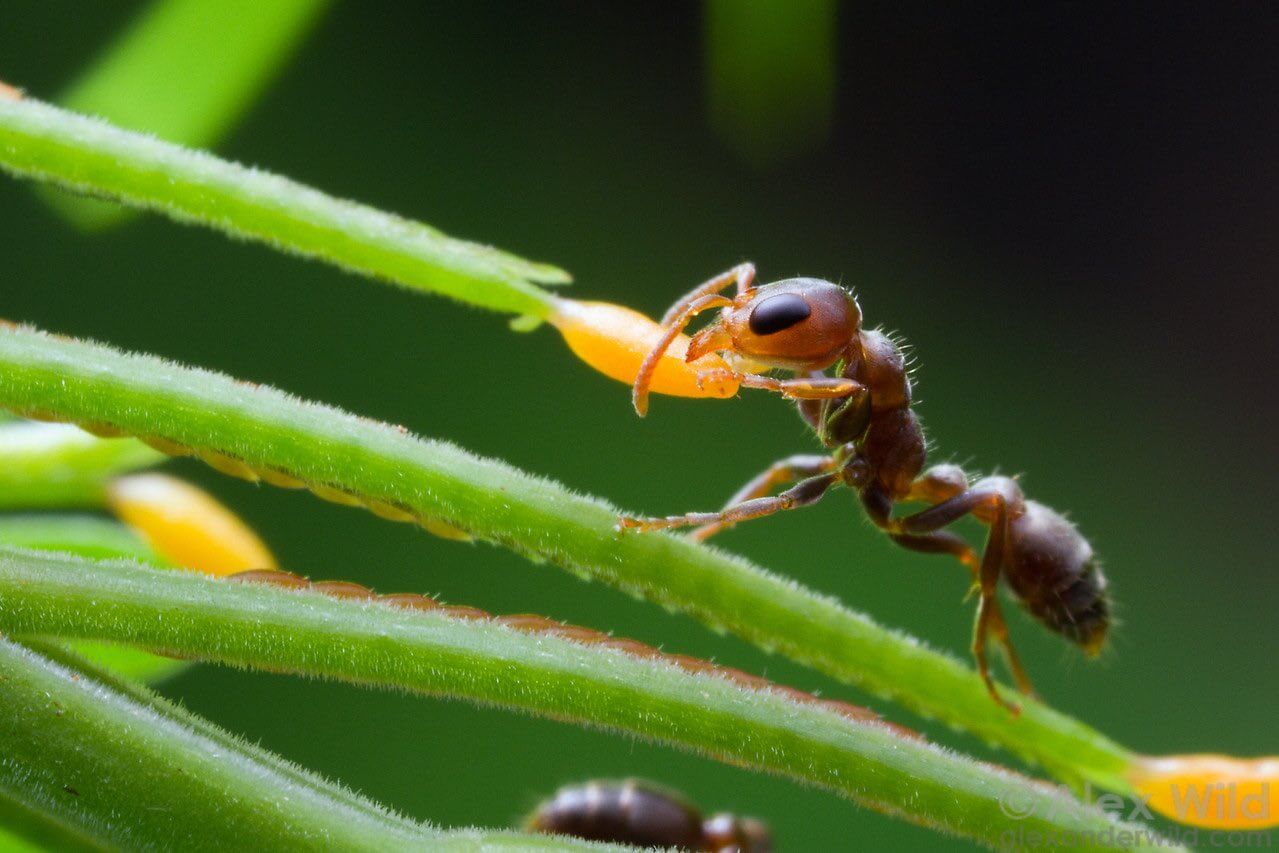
937,485
991,500
940,542
999,627
989,617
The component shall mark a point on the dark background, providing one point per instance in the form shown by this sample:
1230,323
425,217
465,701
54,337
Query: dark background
1070,213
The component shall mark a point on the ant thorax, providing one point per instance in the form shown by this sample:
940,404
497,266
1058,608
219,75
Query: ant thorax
880,365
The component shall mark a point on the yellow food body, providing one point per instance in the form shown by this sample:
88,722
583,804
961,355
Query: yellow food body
614,340
1211,791
186,525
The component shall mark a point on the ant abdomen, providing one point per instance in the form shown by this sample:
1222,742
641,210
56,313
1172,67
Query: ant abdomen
1052,569
644,815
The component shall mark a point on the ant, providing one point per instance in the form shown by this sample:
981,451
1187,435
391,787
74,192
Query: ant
863,414
645,815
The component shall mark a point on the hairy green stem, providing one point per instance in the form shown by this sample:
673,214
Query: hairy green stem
97,538
47,465
106,764
483,661
90,156
216,59
356,460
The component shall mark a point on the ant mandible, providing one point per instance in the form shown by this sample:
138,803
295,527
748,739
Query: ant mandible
863,413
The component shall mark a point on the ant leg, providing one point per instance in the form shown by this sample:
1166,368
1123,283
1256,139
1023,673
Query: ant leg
991,500
813,411
989,616
939,483
742,274
807,492
786,470
1000,629
639,391
936,485
987,500
800,388
941,542
805,388
953,500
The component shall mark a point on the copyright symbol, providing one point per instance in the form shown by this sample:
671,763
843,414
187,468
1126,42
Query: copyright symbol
1017,806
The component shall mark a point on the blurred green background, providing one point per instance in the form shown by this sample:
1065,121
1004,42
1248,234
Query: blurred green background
1071,215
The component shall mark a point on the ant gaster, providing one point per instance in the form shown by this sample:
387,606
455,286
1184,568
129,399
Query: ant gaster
863,414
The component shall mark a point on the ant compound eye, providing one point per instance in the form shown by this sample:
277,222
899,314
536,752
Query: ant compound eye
778,313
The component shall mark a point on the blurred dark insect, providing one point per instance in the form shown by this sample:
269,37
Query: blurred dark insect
646,815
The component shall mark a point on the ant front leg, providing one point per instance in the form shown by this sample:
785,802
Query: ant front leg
800,388
806,492
786,470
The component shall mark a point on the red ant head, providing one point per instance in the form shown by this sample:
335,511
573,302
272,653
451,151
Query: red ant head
798,324
724,832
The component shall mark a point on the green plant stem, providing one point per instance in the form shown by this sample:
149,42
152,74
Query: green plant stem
57,465
186,71
25,830
483,661
96,538
373,463
50,465
111,764
90,156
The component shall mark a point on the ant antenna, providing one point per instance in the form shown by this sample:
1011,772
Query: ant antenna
643,379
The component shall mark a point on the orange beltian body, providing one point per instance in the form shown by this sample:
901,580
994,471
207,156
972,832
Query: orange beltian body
186,525
614,340
1211,791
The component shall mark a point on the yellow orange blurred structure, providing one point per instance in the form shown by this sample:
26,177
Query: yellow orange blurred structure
1211,791
186,525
